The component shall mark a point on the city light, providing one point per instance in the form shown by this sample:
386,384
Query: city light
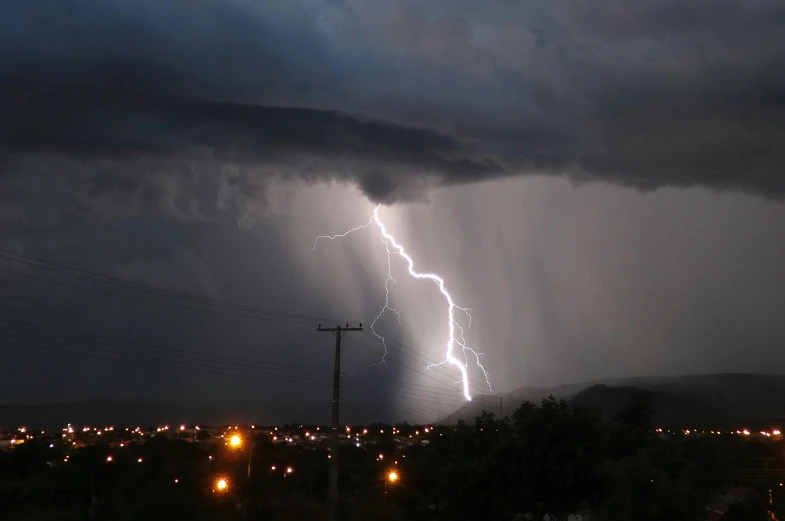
139,460
235,441
289,470
109,459
221,485
182,427
392,476
272,468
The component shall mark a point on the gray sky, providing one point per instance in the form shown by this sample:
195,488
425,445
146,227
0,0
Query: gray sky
601,184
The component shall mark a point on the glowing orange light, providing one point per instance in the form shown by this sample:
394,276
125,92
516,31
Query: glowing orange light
235,441
221,484
392,476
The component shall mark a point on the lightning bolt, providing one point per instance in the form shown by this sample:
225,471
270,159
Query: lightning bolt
344,234
454,339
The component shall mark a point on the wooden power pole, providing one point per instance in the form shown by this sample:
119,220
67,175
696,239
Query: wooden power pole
332,491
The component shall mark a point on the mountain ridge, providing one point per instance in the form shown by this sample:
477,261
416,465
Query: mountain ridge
724,398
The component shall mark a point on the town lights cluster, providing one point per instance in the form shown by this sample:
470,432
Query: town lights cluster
774,433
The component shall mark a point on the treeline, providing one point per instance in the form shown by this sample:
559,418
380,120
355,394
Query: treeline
553,460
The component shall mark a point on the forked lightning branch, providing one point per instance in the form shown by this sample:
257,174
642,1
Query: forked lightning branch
455,329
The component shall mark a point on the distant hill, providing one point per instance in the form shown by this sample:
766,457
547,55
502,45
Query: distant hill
721,399
669,408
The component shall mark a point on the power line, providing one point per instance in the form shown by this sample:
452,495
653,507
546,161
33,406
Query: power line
247,311
62,268
153,301
253,311
421,373
479,386
67,333
64,341
271,314
76,349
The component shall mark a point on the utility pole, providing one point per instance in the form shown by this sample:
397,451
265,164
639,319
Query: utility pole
501,407
332,491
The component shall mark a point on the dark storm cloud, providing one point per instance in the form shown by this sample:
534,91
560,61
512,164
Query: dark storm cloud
148,146
397,97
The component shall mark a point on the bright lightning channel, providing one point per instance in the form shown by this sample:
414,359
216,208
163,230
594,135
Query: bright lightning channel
453,339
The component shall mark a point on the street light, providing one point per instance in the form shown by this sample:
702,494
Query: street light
221,485
235,441
390,479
